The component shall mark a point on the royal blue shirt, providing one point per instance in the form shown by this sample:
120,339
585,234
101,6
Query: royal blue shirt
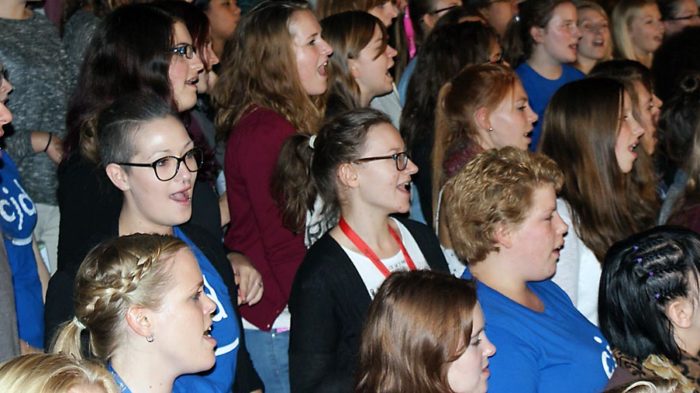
557,350
540,90
17,219
224,329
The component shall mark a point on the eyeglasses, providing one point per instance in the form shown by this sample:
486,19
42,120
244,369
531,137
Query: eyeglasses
400,159
445,9
689,17
184,50
167,167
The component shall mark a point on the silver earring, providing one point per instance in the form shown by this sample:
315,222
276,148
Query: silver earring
149,339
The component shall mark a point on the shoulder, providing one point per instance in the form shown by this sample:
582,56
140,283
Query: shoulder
571,73
259,118
427,242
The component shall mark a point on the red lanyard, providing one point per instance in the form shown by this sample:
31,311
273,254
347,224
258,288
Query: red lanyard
362,246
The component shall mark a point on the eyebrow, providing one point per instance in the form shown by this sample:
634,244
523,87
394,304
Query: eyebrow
200,284
476,334
167,151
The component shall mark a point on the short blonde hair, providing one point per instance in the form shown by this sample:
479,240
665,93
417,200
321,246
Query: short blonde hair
52,373
495,188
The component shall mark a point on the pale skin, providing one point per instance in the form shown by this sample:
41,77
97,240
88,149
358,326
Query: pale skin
367,217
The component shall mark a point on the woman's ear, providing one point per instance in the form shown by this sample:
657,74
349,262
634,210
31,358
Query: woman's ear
680,312
354,68
347,175
481,118
137,318
118,176
537,34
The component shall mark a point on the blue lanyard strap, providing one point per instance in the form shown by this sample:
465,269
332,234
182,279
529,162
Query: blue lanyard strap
118,380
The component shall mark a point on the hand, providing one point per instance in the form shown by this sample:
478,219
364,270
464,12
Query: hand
55,150
249,280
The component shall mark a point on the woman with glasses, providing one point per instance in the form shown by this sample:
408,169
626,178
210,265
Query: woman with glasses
148,156
678,14
138,48
362,172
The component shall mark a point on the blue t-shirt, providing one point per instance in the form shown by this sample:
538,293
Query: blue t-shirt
540,90
224,329
557,350
17,220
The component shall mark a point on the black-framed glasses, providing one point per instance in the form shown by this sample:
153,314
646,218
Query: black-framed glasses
167,167
445,9
689,17
400,159
184,50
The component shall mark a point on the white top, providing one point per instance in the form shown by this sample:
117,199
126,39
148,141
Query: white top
578,270
369,273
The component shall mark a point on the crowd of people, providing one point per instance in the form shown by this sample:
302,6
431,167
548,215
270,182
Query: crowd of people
440,196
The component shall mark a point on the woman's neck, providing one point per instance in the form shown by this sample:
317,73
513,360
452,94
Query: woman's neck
490,272
585,64
544,64
130,223
643,57
141,373
372,229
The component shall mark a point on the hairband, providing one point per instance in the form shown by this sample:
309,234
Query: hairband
79,324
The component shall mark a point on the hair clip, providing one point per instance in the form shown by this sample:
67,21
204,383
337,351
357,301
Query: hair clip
312,141
635,247
638,260
657,295
651,273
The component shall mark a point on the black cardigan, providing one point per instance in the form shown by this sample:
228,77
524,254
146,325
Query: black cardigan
328,304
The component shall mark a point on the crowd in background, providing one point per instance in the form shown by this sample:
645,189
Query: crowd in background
449,196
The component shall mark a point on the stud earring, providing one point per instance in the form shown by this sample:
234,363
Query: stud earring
149,339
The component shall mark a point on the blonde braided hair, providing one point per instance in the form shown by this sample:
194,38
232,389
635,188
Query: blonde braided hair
116,275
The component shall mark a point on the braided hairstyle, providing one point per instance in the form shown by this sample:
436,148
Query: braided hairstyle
116,275
641,276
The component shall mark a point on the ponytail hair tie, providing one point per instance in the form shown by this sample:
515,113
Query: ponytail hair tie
312,141
79,324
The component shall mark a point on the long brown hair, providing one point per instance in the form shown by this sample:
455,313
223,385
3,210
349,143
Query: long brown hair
580,130
418,323
348,33
259,68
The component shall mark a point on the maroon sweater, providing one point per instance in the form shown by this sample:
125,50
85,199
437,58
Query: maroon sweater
256,225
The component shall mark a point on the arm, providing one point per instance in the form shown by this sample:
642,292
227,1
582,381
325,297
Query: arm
41,269
568,267
257,152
